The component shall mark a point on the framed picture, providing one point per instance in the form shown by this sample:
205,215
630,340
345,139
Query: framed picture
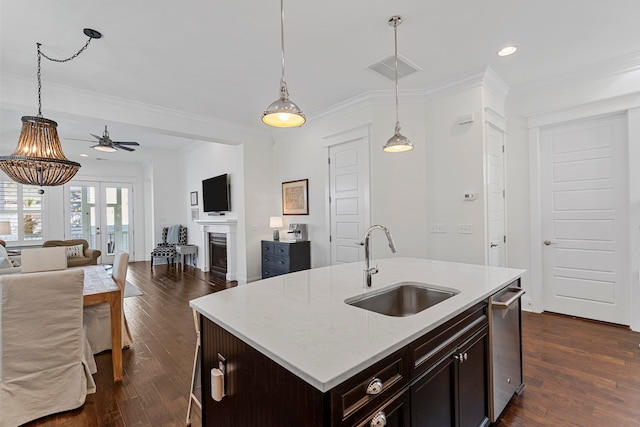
295,197
195,214
194,198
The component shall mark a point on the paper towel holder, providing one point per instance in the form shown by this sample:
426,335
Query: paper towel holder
218,379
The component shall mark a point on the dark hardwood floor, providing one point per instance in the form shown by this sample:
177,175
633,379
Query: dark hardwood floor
578,372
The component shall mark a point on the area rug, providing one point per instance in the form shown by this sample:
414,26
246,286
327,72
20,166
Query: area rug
131,290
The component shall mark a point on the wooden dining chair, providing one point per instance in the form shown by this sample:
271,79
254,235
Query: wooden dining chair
97,318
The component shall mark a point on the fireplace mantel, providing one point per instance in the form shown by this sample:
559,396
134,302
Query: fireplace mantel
226,226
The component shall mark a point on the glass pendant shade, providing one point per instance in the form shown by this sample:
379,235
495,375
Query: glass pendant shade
38,158
105,148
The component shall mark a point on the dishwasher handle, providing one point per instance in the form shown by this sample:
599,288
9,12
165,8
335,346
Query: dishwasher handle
502,305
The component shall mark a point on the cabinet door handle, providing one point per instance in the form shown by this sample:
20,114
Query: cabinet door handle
374,387
380,420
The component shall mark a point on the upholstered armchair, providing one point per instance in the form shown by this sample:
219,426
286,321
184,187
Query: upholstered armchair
89,256
171,236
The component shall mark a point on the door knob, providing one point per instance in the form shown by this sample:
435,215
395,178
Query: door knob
360,243
548,242
493,245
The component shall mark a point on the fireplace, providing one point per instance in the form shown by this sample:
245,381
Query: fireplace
226,227
218,254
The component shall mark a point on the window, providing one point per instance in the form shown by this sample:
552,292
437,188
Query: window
22,207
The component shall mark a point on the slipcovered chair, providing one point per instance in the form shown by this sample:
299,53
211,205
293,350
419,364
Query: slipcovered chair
171,236
88,256
43,350
97,318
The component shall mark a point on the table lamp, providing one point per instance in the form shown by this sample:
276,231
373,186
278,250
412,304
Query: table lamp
275,222
5,228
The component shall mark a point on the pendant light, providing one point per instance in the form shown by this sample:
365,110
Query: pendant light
283,113
398,142
38,158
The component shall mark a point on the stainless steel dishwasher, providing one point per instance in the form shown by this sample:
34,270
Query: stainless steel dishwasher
506,347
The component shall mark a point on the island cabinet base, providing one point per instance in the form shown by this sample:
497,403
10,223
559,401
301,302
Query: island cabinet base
440,379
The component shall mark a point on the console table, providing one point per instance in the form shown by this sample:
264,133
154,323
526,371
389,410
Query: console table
285,257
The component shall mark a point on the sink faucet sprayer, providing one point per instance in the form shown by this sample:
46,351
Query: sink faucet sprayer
373,270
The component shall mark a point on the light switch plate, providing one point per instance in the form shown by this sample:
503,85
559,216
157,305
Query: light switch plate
465,229
439,228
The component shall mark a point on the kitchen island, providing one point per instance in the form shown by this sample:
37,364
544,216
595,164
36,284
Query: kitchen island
300,325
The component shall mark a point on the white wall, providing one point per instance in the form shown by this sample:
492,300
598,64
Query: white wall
249,167
409,191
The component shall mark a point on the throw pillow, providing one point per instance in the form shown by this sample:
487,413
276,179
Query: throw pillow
5,263
3,252
15,262
74,251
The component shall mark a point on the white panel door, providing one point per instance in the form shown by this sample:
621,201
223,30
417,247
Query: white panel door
348,183
495,197
584,219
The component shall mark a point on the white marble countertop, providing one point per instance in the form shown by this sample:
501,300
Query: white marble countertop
300,320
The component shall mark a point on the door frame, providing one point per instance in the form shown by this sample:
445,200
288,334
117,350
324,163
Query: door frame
626,104
497,121
349,135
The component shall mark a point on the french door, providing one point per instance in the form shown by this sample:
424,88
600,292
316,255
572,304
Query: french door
100,213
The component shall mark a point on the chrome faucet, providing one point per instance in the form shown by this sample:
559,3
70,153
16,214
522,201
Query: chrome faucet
373,270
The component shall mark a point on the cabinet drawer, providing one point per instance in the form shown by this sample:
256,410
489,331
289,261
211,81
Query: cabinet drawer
426,351
281,249
267,247
271,272
275,261
350,401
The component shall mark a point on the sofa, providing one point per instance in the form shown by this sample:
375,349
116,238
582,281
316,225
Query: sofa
87,257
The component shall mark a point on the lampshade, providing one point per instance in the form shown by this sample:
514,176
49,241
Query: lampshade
283,113
38,158
398,142
275,222
5,228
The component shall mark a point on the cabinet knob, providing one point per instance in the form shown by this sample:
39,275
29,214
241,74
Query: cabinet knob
374,387
379,420
460,357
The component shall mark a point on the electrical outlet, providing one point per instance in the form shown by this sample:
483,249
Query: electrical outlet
469,197
465,229
439,228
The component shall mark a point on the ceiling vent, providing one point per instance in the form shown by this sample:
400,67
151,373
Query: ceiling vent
387,68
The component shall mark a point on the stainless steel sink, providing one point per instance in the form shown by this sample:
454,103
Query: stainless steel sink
403,299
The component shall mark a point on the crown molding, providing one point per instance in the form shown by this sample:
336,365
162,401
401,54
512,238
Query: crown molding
603,69
18,93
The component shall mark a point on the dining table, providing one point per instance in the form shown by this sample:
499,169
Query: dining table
100,288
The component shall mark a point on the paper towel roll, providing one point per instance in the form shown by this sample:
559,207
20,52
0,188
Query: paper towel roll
217,384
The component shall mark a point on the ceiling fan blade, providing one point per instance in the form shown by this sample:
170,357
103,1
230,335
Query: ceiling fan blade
96,136
117,145
76,139
125,143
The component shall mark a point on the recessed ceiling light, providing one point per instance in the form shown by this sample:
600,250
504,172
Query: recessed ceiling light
84,155
508,50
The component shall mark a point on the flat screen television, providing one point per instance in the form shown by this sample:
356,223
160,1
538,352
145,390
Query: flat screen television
215,194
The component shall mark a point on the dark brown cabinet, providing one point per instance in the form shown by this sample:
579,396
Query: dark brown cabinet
285,257
454,391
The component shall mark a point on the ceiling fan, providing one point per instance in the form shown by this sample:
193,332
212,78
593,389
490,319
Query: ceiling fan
107,144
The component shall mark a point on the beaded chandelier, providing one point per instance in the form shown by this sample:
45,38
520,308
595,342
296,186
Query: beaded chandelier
38,158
